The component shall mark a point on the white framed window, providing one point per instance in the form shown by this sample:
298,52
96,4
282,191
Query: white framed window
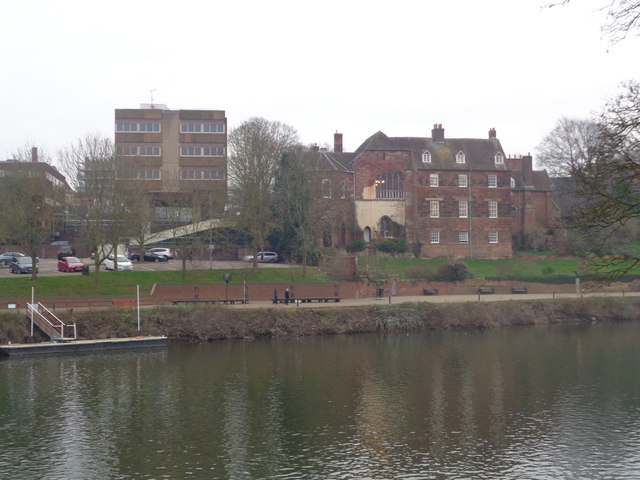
389,186
493,236
492,181
434,209
463,180
148,127
213,128
201,127
200,174
434,236
149,174
126,127
460,157
434,179
149,151
190,151
190,128
513,183
1,173
212,151
127,150
493,209
463,208
426,156
499,158
463,236
326,188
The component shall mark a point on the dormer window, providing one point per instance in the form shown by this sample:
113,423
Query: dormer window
499,158
460,157
426,157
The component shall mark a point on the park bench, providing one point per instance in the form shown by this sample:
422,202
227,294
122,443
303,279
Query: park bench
486,290
230,301
519,290
430,291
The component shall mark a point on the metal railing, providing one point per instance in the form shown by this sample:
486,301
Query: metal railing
51,325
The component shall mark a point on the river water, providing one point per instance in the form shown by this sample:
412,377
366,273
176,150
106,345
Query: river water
513,403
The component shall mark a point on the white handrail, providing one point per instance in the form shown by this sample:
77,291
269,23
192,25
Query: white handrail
53,329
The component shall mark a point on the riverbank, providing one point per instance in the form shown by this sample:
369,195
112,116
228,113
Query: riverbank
205,323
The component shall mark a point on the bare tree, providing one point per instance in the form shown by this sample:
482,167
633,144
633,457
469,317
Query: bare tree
623,17
607,181
570,145
256,147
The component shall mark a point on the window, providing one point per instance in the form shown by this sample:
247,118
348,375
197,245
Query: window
213,128
326,188
200,174
460,157
426,157
463,180
463,236
149,127
434,236
191,151
499,158
493,209
492,181
343,189
463,208
150,151
126,127
434,208
212,174
149,174
190,128
389,186
513,183
212,151
493,236
385,227
434,180
127,150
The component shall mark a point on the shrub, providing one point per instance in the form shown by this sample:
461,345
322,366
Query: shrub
357,246
454,271
416,248
393,246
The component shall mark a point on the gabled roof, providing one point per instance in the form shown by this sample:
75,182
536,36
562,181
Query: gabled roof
330,161
479,153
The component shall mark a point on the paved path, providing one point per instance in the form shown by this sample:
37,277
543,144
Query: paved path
349,302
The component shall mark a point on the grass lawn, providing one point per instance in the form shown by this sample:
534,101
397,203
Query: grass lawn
124,283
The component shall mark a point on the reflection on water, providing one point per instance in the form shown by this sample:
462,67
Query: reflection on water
515,403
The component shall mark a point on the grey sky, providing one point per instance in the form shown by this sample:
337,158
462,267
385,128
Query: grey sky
350,66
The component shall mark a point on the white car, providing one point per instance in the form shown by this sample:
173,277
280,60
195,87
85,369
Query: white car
124,264
165,252
264,257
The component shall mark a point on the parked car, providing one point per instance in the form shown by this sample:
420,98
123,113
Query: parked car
22,265
167,252
124,264
264,257
66,251
70,264
150,256
7,257
133,254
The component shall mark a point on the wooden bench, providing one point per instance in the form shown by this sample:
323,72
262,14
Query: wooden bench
230,301
486,290
430,291
519,290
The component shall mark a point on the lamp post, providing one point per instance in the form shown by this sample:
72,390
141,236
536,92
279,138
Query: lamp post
227,279
577,282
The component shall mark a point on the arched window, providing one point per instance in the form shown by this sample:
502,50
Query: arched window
386,230
426,156
499,158
389,186
460,157
366,234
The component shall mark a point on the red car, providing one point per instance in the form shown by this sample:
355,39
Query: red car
70,264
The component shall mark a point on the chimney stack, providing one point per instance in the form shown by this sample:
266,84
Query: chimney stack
437,134
527,170
34,154
315,148
337,142
492,133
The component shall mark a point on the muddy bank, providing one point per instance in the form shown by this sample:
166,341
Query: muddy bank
209,322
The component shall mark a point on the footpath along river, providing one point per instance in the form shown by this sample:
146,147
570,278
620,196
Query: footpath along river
543,402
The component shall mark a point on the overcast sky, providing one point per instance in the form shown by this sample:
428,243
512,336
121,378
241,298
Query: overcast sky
350,66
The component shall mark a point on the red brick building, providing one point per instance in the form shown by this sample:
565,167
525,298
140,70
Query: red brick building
458,197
